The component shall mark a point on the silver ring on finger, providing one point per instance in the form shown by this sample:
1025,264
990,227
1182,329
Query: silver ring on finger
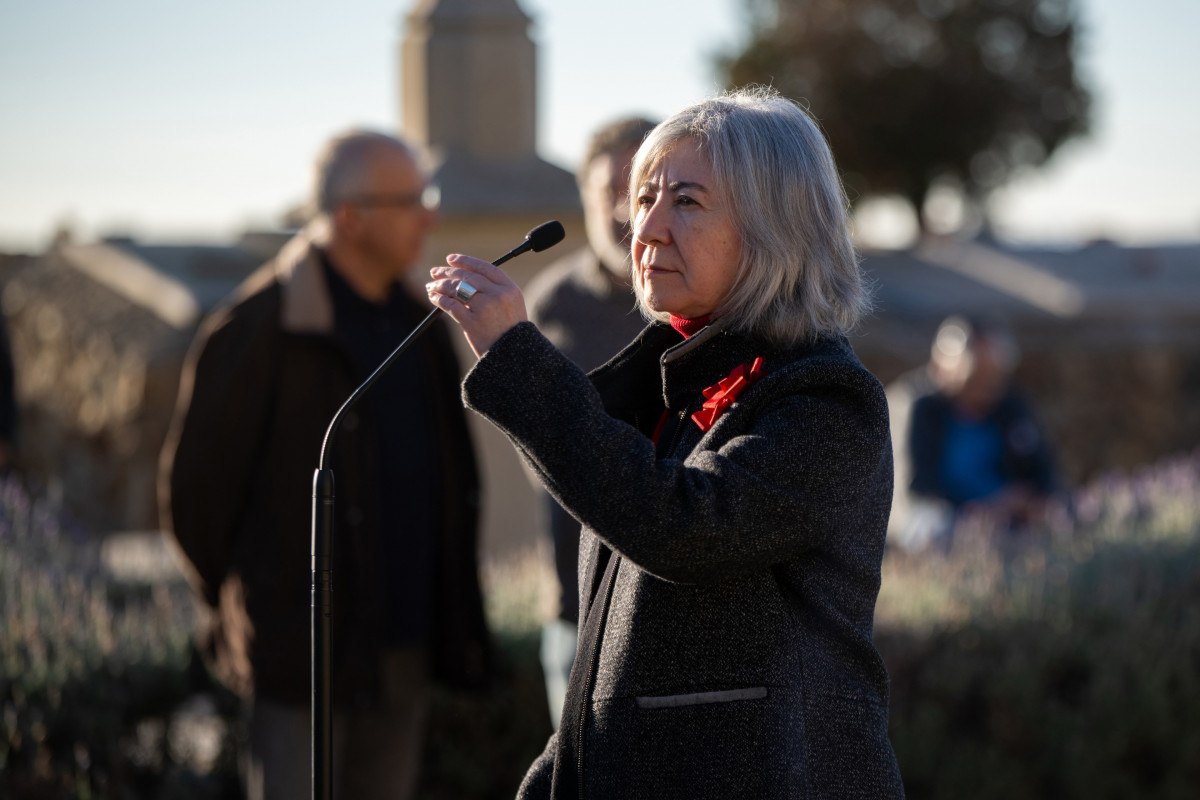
464,292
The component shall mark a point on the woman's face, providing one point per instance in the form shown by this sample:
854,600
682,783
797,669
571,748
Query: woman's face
685,248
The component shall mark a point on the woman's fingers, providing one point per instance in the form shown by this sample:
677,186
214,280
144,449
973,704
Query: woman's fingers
443,294
480,274
484,269
485,314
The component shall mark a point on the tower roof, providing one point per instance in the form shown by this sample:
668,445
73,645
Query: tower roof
469,78
472,11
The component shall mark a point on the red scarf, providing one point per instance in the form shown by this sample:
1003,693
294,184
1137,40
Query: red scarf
689,327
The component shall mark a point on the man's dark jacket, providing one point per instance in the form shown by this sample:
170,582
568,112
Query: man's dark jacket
261,383
727,578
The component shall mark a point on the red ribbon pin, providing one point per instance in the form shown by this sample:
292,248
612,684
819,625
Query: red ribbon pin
722,394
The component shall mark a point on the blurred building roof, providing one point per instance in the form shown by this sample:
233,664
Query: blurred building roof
1130,291
1095,292
177,283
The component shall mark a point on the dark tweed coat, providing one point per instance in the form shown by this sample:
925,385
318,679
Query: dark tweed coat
727,581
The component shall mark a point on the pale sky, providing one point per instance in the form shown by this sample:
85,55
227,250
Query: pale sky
185,121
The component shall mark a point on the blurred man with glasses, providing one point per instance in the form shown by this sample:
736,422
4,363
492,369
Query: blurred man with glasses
266,374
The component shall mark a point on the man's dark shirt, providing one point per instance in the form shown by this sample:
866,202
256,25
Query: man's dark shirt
399,405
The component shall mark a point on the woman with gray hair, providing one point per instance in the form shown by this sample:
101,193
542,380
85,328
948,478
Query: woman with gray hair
732,471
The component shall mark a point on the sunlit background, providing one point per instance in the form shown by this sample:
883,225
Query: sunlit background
141,140
195,121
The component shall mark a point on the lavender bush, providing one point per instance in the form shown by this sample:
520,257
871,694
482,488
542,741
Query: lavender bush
1062,662
91,667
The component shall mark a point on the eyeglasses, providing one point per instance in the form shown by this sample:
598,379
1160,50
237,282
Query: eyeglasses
428,198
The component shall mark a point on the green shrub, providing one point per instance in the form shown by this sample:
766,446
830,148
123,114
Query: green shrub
1063,665
90,667
97,674
481,745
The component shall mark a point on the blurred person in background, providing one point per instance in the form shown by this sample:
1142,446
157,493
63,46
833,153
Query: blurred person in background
584,304
732,470
967,439
264,377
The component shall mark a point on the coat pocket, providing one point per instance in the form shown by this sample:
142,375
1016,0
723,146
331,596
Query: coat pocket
721,745
701,698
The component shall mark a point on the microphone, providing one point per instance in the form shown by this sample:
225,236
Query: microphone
543,237
540,238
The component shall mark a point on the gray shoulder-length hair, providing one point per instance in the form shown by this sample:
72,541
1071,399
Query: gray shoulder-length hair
799,276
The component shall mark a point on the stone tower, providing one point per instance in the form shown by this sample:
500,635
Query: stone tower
468,78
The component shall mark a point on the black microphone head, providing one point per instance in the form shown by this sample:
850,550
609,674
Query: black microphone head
545,236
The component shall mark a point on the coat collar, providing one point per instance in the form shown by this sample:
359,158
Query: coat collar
660,368
307,306
703,359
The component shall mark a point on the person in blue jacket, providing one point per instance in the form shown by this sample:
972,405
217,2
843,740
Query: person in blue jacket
972,441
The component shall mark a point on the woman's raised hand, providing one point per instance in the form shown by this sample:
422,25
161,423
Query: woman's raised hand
496,305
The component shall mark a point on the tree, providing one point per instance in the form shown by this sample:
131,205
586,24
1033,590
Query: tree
912,92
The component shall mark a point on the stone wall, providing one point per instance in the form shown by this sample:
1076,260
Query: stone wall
1117,408
96,377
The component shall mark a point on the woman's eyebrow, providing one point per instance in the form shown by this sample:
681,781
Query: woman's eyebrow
673,186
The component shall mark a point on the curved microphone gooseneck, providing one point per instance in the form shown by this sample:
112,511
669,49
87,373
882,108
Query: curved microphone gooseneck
540,238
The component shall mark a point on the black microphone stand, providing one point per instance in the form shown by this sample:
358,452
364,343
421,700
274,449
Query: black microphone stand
545,235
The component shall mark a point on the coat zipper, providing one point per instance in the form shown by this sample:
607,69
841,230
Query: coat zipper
594,653
676,434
